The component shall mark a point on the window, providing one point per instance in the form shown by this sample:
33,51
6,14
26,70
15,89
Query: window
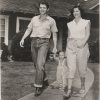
22,23
4,28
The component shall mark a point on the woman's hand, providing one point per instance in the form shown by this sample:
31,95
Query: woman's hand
81,43
72,44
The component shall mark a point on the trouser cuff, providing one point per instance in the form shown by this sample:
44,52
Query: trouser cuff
36,85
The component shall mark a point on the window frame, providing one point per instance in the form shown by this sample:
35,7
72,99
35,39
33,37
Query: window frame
6,17
18,22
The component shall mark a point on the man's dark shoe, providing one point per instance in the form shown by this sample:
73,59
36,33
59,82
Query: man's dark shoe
66,97
45,84
38,91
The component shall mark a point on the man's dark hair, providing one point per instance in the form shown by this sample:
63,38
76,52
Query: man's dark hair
44,3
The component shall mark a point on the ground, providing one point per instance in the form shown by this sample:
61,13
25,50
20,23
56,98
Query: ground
93,93
17,79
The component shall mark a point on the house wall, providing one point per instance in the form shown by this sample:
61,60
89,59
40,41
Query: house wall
61,24
13,21
62,33
94,19
12,26
62,28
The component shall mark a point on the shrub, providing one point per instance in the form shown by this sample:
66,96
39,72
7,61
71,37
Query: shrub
5,52
19,53
94,51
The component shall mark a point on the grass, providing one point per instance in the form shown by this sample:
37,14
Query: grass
17,78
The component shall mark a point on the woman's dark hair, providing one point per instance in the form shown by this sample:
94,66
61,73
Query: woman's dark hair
44,3
81,11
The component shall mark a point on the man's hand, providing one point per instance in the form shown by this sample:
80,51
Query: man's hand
22,43
24,37
54,50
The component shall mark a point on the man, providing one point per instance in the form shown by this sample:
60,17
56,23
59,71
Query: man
41,27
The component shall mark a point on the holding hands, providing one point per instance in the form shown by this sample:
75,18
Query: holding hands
54,50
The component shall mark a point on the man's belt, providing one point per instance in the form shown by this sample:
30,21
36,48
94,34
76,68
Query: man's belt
38,38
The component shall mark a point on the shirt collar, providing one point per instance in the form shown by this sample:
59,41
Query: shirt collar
47,17
78,22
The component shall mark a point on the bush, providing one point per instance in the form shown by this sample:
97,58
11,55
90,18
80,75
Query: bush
19,53
5,52
94,51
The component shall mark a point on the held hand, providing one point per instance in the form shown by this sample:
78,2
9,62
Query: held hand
22,43
54,50
54,55
56,58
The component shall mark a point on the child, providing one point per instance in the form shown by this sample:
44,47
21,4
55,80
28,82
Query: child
61,75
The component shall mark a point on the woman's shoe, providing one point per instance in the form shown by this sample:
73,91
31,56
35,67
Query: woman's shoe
54,87
45,84
82,91
68,94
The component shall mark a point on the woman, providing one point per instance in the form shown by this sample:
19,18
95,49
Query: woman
77,51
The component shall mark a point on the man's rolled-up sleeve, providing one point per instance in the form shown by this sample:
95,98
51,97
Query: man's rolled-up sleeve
54,27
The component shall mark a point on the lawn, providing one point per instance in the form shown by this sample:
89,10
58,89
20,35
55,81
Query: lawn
17,78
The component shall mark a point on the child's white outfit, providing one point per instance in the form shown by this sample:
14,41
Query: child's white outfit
61,75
